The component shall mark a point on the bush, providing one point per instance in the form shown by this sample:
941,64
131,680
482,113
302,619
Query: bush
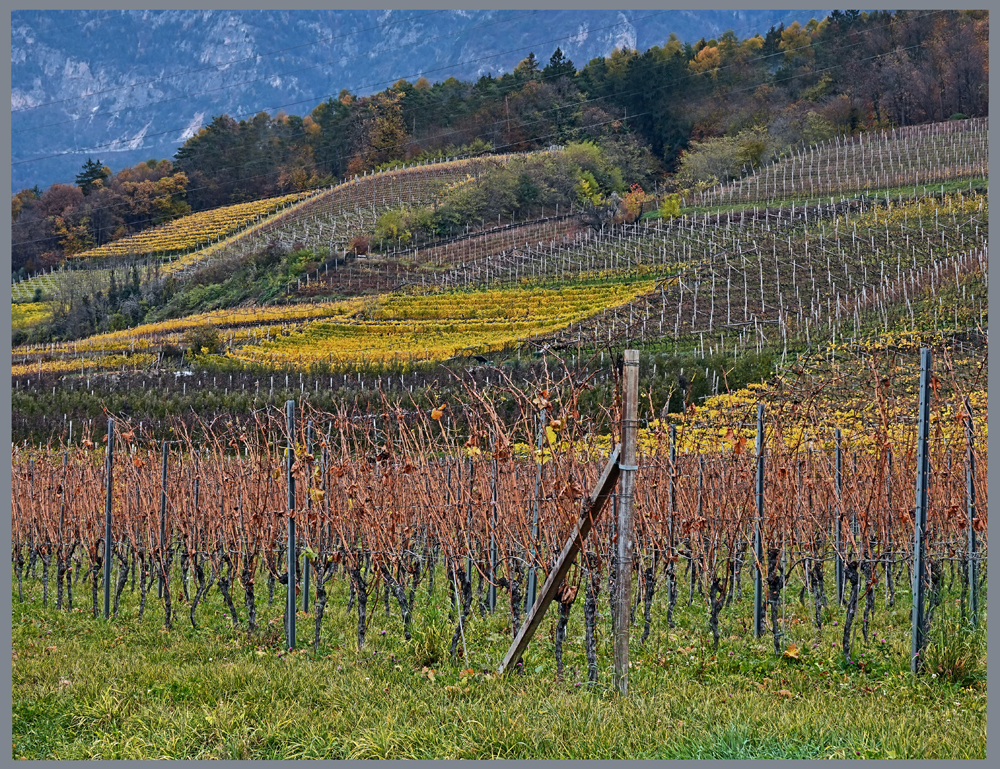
588,190
633,202
204,340
390,229
359,245
722,158
670,207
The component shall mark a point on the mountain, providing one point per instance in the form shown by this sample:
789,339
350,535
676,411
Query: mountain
127,86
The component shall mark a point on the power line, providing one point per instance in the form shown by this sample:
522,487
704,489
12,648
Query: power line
500,122
226,64
260,79
521,123
313,99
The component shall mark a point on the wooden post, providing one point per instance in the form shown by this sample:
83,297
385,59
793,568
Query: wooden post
920,513
625,543
588,517
109,459
290,460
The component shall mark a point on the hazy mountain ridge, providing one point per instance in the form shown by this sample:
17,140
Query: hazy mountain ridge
107,87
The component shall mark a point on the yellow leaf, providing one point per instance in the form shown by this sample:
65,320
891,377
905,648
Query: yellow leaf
792,652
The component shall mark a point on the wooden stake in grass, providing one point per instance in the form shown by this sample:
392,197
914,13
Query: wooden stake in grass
592,511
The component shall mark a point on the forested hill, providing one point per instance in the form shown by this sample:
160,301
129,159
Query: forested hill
73,68
845,73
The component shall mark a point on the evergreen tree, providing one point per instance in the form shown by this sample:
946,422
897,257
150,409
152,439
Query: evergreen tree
92,172
559,66
527,69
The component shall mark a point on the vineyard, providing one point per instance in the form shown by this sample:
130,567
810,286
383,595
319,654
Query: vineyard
383,500
798,274
24,290
904,157
24,315
191,232
328,220
373,482
542,403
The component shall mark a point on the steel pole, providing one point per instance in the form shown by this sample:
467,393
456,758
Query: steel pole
290,459
758,543
920,512
109,459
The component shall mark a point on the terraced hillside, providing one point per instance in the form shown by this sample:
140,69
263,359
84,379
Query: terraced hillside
329,219
710,284
748,281
194,232
903,157
385,331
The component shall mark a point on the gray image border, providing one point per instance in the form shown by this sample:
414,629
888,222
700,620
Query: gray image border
5,318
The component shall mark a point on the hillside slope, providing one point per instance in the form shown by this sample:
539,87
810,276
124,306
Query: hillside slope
76,69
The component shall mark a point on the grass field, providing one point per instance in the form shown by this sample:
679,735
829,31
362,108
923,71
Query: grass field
128,689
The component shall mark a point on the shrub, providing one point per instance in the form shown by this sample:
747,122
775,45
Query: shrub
359,245
671,206
588,190
632,203
390,229
204,340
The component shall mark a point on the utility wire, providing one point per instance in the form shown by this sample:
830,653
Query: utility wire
225,64
305,69
313,100
497,124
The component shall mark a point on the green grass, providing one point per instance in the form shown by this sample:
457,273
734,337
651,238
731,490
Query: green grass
88,688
